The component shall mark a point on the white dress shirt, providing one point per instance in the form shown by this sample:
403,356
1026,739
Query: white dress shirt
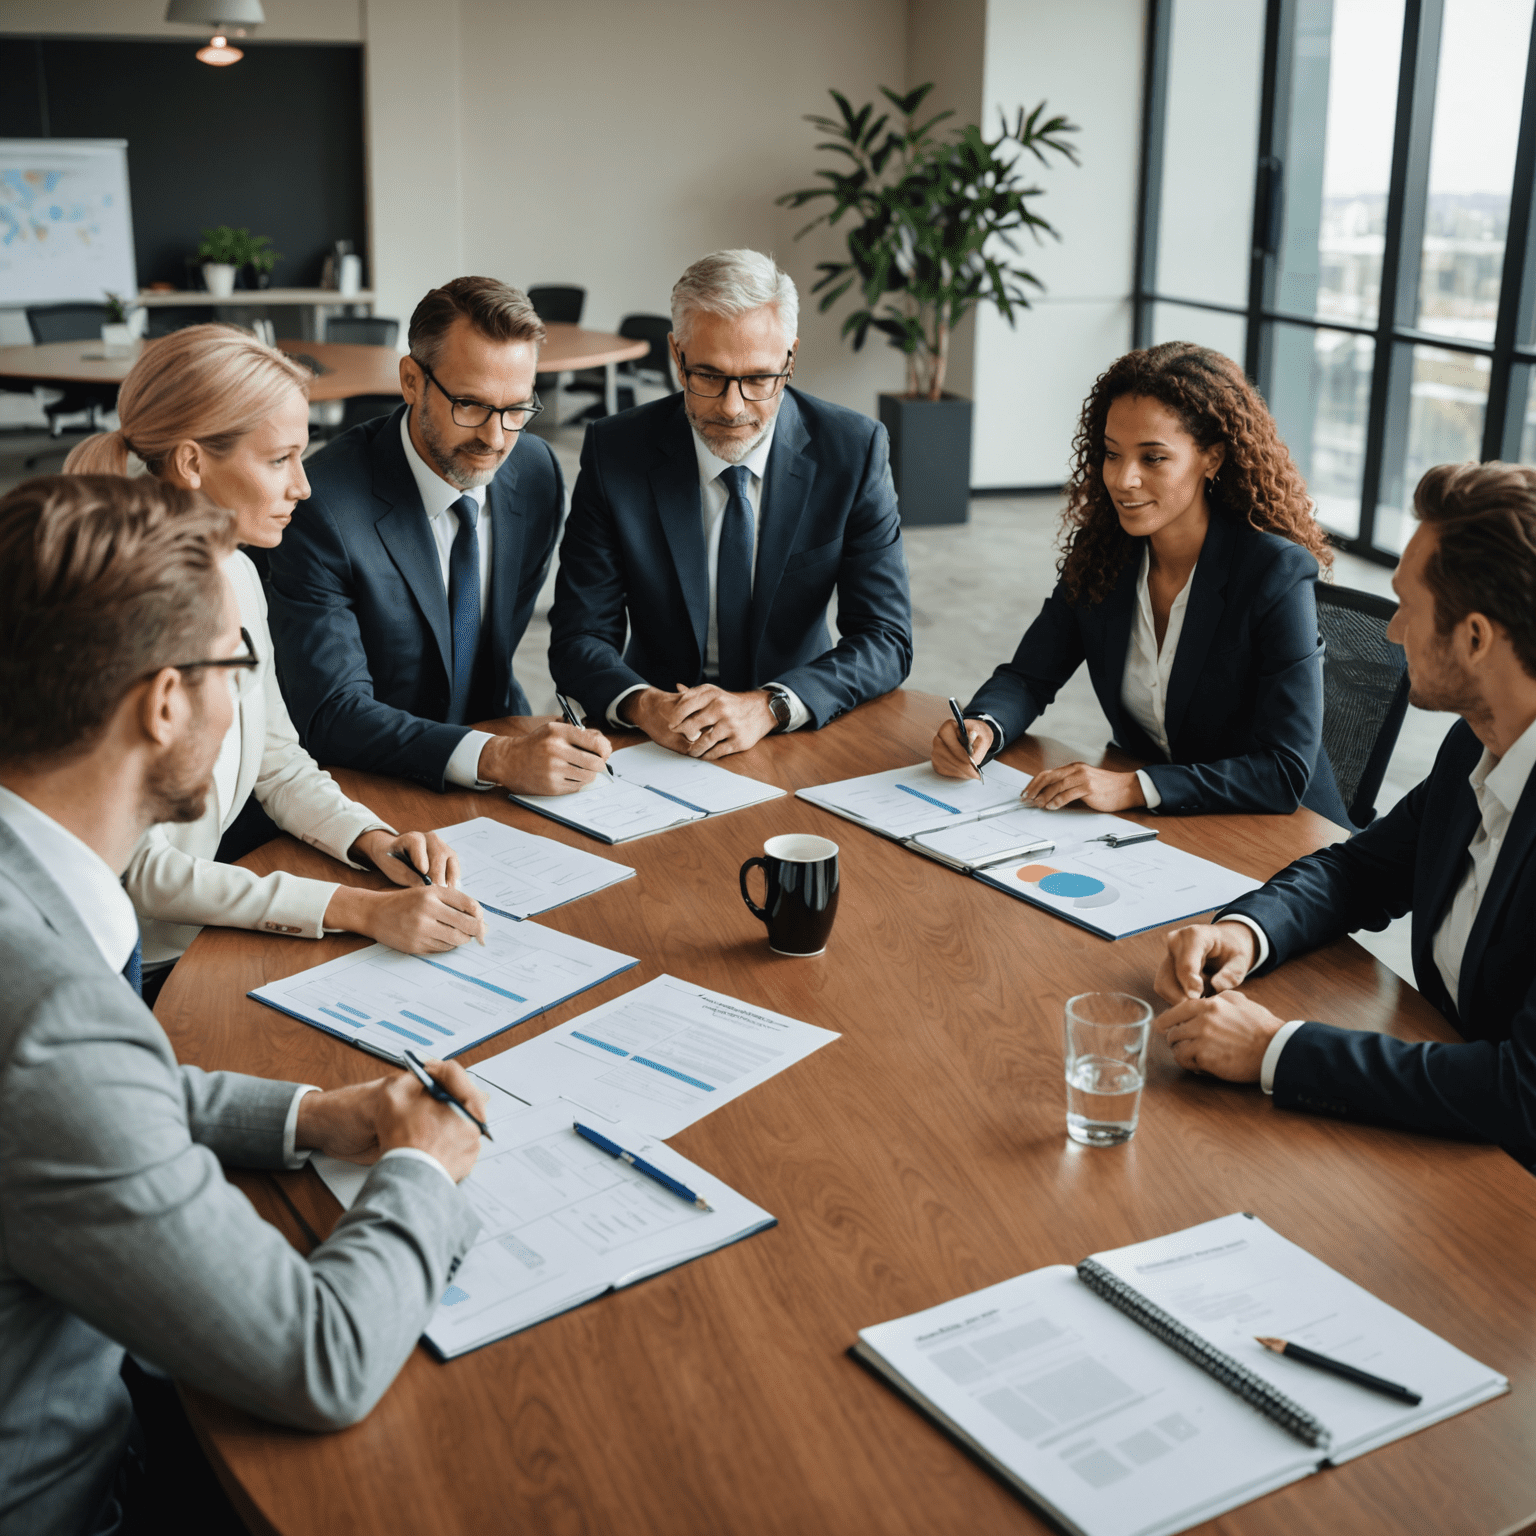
1148,666
437,497
713,499
1498,784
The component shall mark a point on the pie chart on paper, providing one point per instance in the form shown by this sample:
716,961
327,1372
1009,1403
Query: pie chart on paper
1067,886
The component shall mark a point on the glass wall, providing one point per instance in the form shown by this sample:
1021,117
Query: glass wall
1389,309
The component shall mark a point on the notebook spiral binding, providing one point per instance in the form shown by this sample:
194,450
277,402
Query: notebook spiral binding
1232,1374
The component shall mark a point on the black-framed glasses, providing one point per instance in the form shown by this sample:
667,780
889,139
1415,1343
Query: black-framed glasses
753,386
475,413
244,667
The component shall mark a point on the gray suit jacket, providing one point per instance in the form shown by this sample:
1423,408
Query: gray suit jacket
119,1231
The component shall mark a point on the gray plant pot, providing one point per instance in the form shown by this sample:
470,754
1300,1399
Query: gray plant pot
930,458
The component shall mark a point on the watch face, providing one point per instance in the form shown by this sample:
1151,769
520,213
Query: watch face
779,706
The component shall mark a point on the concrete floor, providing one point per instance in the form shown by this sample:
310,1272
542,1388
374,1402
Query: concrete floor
974,591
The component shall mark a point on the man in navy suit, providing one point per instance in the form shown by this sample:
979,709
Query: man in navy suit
407,579
1457,852
715,526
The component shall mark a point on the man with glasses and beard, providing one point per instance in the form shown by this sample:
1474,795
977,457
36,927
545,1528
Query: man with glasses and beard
407,579
714,527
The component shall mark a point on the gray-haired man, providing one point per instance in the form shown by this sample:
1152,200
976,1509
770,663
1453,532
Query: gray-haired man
715,525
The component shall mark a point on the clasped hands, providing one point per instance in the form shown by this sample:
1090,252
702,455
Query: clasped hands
361,1123
1098,788
703,721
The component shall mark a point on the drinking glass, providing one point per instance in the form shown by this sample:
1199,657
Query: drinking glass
1106,1058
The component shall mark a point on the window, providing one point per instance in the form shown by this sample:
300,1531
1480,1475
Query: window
1368,167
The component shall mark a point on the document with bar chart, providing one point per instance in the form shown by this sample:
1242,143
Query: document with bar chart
383,1001
518,874
902,802
659,1058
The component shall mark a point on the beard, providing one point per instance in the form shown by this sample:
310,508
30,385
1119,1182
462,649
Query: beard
1443,687
452,461
176,789
732,449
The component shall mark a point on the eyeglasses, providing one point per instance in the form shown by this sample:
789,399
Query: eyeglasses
245,666
753,386
474,413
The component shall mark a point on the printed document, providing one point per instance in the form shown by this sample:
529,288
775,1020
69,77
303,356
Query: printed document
905,801
562,1222
653,789
383,1001
657,1058
517,874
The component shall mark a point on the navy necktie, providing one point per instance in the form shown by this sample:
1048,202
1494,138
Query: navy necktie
733,583
133,971
464,605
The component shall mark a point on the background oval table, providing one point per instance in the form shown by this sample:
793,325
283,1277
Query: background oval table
920,1156
349,369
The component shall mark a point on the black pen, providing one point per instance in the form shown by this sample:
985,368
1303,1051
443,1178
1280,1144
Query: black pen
423,876
572,719
1126,839
1338,1368
441,1094
965,736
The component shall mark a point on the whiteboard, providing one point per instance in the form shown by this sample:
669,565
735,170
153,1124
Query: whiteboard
66,229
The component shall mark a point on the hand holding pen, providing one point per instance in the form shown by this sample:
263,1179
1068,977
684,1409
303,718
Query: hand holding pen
964,742
572,718
473,909
418,1069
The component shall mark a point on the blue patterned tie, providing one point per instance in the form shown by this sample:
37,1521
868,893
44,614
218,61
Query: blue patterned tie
464,605
733,583
133,971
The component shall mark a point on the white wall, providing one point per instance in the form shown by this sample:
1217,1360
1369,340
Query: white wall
648,135
1029,382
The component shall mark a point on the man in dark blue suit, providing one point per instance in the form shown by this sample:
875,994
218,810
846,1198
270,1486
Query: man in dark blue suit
1457,852
407,579
715,526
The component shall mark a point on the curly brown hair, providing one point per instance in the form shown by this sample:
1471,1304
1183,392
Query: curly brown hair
1214,404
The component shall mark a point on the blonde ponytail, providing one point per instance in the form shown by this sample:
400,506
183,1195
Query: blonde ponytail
104,454
207,384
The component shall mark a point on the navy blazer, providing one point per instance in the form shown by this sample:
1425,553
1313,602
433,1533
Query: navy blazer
1413,858
634,549
1244,714
359,612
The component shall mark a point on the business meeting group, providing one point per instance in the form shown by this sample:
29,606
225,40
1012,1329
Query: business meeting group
194,616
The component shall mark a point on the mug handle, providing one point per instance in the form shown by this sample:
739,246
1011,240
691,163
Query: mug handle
760,913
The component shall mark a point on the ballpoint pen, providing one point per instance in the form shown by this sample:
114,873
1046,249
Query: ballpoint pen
1125,839
441,1094
1338,1368
639,1164
424,877
965,736
571,718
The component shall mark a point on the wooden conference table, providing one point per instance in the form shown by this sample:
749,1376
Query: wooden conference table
348,369
920,1156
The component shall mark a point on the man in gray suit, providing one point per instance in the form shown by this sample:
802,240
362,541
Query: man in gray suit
118,1230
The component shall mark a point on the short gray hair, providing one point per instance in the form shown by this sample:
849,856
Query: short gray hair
734,283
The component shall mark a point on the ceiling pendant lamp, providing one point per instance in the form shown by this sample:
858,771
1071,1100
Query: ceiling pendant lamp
225,18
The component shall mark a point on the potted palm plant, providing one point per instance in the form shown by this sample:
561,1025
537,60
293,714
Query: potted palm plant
939,215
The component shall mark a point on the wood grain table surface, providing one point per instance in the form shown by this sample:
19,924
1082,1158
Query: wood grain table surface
351,369
920,1156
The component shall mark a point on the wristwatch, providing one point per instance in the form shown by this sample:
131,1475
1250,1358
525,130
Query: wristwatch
778,706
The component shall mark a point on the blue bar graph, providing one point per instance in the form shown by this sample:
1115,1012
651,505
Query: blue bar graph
953,811
682,1077
410,1034
465,976
356,1013
351,1023
442,1029
602,1045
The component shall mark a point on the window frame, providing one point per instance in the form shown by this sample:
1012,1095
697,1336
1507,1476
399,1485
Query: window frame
1512,364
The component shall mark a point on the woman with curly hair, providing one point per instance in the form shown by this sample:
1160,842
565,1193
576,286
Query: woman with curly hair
1186,584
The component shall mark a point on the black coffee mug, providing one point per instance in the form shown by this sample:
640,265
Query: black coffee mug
801,900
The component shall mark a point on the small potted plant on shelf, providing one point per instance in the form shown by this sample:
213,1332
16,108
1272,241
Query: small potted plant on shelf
116,331
938,219
261,260
222,252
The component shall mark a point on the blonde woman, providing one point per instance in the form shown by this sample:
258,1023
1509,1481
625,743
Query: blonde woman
210,408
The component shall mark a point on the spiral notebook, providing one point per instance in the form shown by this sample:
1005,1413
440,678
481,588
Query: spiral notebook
1128,1397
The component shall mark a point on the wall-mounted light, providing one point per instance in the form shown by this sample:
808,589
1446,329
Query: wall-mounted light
226,19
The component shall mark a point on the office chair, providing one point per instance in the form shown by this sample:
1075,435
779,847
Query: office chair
71,322
654,370
1365,693
360,331
563,305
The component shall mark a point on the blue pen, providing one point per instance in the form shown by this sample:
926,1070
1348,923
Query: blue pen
639,1164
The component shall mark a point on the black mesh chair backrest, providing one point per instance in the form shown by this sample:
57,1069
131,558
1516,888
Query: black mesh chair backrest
654,329
362,330
66,322
557,303
1365,693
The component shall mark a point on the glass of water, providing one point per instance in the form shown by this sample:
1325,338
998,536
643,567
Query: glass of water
1106,1040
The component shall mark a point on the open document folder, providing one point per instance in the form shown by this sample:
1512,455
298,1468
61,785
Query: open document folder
518,874
1113,1432
383,1001
562,1222
650,790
